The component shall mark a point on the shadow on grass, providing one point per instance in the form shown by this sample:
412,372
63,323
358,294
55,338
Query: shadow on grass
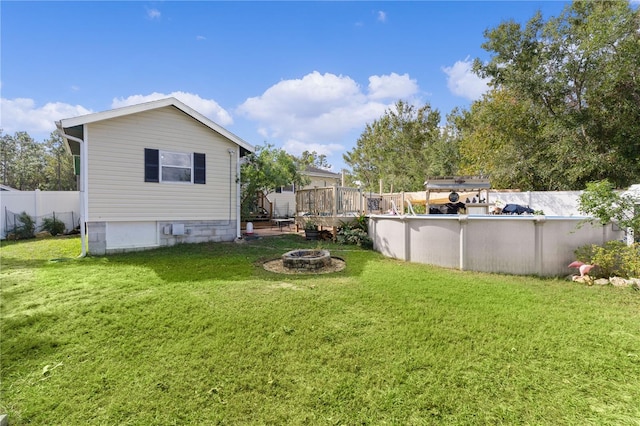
184,262
235,261
23,340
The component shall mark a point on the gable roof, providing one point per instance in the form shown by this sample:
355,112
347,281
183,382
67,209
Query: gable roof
315,171
7,188
66,125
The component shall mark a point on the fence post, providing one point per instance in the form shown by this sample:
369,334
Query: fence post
538,222
407,238
334,211
463,219
36,214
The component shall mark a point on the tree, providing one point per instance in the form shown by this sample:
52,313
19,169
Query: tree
314,159
265,170
22,161
8,153
28,165
59,174
503,140
579,75
601,201
402,148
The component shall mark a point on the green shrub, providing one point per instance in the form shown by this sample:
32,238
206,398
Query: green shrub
355,233
53,225
631,259
615,258
25,227
356,237
362,222
417,209
311,225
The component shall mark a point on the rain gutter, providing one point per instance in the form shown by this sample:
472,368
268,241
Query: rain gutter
83,184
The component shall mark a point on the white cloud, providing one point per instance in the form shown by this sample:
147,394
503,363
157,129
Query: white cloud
382,16
22,114
319,111
206,107
462,81
392,86
153,14
200,38
297,147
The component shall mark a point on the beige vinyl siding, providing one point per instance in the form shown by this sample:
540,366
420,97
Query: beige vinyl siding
284,203
117,190
322,182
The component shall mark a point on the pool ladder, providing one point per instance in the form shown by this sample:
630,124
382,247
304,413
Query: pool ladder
394,208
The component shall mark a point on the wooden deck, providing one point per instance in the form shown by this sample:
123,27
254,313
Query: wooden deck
329,207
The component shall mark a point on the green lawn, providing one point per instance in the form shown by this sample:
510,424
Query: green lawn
201,334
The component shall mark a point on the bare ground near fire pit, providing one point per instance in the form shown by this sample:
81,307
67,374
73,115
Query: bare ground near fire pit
276,266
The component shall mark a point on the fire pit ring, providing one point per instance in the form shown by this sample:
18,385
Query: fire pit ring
306,259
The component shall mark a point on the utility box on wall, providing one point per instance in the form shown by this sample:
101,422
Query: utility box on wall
177,229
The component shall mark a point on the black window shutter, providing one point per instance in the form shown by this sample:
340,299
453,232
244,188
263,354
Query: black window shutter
199,168
151,165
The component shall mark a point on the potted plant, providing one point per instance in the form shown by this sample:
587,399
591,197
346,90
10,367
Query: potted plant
310,229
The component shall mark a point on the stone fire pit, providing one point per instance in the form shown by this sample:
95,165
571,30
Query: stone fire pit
306,259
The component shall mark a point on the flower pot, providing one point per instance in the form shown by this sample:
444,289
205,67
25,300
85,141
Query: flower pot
311,234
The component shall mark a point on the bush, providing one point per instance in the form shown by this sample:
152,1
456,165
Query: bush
53,225
355,233
615,258
310,225
25,227
417,209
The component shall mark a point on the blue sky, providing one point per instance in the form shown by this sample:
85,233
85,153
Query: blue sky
298,75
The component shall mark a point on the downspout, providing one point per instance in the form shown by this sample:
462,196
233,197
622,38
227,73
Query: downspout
231,152
237,153
238,197
83,182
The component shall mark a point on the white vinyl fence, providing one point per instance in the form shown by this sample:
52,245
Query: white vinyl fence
552,203
63,205
519,245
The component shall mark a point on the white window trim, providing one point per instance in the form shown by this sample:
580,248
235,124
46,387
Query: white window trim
283,191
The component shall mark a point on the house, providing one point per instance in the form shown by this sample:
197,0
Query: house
284,199
155,174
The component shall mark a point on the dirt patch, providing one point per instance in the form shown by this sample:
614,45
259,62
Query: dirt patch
276,266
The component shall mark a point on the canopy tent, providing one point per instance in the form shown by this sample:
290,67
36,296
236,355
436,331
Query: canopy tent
473,188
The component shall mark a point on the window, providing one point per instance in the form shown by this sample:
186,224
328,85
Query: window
286,188
165,166
175,167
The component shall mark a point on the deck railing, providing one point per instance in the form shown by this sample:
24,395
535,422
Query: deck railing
344,201
332,201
